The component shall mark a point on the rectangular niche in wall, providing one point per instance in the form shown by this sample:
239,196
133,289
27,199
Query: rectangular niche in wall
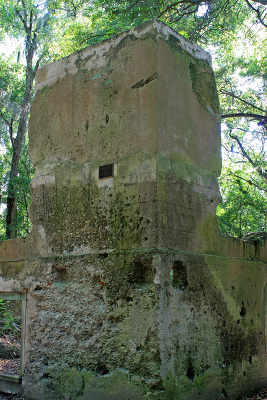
106,171
12,336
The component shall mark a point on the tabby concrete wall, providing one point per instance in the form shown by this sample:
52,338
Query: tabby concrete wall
131,291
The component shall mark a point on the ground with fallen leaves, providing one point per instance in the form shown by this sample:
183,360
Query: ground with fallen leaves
10,365
261,395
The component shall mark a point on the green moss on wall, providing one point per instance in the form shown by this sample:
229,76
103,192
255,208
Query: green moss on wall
182,168
202,77
203,84
77,215
238,340
70,383
11,269
203,387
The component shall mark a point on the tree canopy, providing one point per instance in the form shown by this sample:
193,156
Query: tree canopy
231,30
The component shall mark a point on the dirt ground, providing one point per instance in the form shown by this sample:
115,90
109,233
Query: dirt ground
10,348
261,395
10,367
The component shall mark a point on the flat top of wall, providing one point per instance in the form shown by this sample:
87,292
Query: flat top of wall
12,250
50,73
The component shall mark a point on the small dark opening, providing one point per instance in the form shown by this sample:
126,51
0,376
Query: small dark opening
139,272
178,275
190,370
101,369
142,271
102,255
243,310
106,171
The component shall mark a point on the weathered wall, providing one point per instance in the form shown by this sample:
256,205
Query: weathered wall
131,291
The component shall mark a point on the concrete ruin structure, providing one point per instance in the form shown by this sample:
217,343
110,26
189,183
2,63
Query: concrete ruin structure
130,290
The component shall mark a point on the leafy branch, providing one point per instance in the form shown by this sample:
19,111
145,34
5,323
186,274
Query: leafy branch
231,94
260,16
261,171
178,3
257,117
250,182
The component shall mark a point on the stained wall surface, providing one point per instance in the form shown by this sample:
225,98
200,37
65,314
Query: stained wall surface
131,291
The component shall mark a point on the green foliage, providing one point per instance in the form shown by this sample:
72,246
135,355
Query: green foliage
22,187
33,21
206,386
8,321
74,384
243,208
12,85
240,74
216,22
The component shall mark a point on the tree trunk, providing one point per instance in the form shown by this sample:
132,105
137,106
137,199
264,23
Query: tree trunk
11,216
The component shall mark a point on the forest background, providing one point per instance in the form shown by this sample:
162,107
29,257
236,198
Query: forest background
42,31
